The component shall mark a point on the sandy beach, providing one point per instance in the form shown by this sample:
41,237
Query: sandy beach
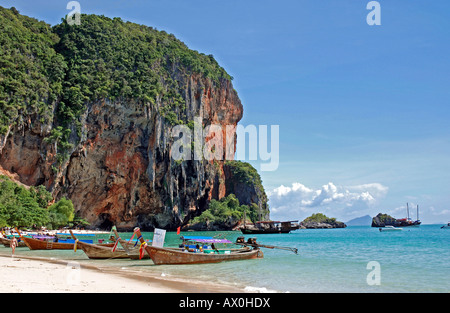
38,275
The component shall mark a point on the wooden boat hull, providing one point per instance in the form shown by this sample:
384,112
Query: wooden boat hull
7,243
173,256
131,250
270,227
101,252
408,224
36,244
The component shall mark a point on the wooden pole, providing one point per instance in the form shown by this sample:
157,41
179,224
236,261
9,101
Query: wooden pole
137,230
71,234
257,245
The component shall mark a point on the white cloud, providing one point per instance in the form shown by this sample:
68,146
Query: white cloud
300,201
438,212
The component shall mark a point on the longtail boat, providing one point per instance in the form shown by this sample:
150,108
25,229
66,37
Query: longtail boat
7,242
269,227
131,248
177,256
49,243
252,243
94,251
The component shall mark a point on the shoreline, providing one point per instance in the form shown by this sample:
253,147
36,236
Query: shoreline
38,275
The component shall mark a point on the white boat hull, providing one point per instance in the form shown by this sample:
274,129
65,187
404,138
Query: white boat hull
388,229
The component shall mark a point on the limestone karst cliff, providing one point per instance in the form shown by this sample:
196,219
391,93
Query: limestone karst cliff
98,126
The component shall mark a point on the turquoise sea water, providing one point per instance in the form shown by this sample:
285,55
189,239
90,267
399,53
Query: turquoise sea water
329,260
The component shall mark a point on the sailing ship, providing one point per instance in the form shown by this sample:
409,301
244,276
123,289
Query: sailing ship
407,222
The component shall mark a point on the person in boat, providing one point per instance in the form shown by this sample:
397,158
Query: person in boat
214,248
252,241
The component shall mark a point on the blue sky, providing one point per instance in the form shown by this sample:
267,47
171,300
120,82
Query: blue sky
363,110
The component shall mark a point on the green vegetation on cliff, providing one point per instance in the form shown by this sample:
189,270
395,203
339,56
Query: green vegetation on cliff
245,173
24,207
382,220
245,194
245,181
51,74
320,218
31,71
226,211
51,77
116,60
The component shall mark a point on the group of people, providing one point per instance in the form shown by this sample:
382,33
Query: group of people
197,248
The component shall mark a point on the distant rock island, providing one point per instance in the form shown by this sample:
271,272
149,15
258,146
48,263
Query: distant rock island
360,221
382,220
320,221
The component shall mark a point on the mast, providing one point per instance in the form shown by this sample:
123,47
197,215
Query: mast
417,212
407,210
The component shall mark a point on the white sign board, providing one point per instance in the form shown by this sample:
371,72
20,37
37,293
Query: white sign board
158,237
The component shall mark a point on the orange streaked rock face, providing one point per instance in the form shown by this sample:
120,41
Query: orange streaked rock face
119,170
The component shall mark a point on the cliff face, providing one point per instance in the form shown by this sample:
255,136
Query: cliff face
243,180
121,171
105,138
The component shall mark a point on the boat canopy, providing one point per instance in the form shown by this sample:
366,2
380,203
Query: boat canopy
42,237
205,239
76,234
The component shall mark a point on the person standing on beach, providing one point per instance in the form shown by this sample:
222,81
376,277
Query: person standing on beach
13,244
